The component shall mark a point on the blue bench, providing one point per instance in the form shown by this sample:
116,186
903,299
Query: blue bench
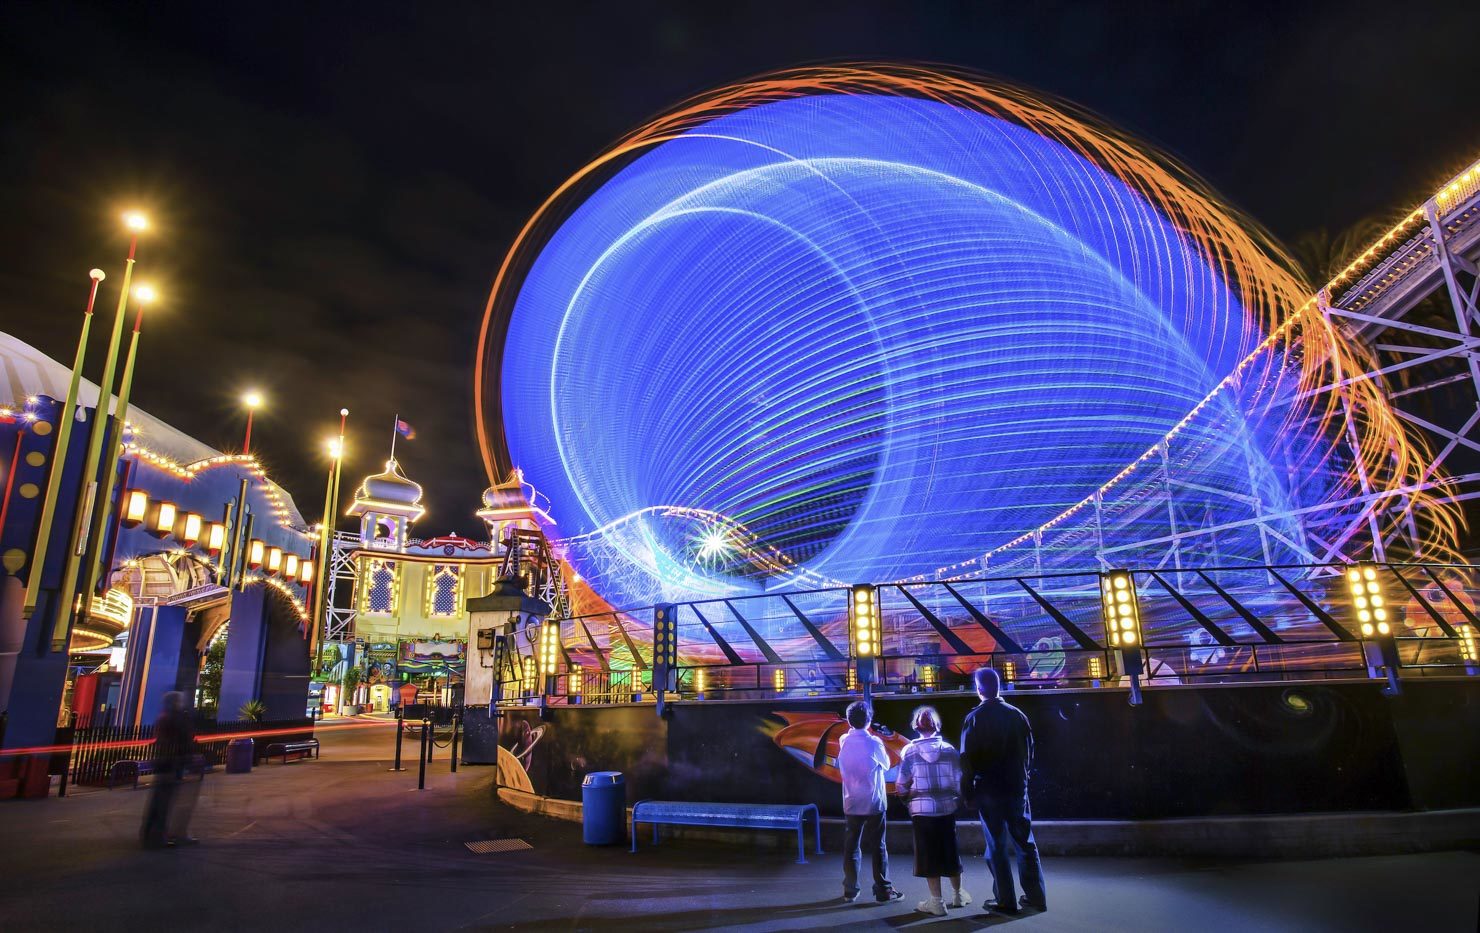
730,816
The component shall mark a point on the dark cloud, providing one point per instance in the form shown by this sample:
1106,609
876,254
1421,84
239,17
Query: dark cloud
336,183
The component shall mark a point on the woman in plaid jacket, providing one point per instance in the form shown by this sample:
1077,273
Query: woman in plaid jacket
930,775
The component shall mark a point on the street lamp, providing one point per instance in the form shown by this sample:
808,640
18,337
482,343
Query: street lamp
1122,618
319,612
252,400
144,295
79,546
866,634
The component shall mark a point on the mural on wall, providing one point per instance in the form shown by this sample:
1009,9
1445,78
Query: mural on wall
814,739
1187,752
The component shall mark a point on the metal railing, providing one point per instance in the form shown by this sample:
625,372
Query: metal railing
1199,625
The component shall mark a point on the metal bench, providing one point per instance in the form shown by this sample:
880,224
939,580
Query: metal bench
729,815
308,748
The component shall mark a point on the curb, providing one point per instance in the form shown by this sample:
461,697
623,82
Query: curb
1305,835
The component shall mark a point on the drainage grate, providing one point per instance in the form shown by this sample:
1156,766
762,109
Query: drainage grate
486,846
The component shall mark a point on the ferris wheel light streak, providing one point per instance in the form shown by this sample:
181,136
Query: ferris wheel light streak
863,324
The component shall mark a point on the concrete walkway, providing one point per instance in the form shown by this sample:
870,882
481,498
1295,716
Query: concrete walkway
344,844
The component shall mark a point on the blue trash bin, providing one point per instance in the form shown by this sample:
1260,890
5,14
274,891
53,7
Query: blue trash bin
603,808
239,756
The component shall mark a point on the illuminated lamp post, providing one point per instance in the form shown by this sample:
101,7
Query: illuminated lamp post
144,295
1379,647
77,542
549,659
1122,615
319,611
252,400
59,452
865,635
1468,650
665,652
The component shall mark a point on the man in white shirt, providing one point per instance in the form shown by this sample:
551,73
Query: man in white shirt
862,762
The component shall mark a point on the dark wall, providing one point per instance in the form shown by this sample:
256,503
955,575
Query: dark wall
1185,752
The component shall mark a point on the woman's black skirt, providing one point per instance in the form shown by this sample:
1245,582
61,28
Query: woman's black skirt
935,847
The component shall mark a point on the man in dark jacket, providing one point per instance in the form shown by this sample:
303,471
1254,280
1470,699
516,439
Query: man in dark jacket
996,754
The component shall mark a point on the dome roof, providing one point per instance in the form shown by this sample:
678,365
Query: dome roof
389,491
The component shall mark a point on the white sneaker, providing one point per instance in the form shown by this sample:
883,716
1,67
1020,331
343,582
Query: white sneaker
961,899
933,906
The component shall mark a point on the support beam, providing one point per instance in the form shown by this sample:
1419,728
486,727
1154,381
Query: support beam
828,648
765,648
731,654
1004,640
1198,616
941,629
1075,632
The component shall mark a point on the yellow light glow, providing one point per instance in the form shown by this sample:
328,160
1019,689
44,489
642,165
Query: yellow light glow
305,572
136,221
215,537
1382,628
136,508
290,566
256,552
252,399
1366,628
1094,667
701,680
1009,671
274,559
778,679
336,448
190,528
145,294
164,518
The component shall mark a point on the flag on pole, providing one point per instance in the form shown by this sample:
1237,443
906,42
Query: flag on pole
405,429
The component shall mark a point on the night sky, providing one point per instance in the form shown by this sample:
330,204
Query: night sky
334,185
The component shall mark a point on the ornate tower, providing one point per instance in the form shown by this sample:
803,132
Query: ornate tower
386,504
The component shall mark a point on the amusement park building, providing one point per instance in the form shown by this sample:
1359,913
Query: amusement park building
407,620
197,543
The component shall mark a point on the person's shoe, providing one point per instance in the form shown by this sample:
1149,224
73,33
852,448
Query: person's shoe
998,907
888,896
184,841
933,906
961,899
850,898
1032,905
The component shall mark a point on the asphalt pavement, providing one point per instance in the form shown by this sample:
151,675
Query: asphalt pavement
343,843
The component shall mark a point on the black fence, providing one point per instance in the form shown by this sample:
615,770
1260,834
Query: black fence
97,749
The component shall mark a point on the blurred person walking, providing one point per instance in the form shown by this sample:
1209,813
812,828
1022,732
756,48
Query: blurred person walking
174,753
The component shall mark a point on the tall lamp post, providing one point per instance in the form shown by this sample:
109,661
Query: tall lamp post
59,452
144,295
77,541
320,618
253,400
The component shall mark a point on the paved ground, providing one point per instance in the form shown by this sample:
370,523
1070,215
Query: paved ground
344,844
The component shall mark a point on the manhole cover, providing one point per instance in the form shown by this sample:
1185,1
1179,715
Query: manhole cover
486,846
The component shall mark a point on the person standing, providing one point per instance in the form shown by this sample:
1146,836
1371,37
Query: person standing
996,755
862,761
930,775
174,747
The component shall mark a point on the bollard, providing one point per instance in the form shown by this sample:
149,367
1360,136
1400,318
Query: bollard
456,721
400,724
421,777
